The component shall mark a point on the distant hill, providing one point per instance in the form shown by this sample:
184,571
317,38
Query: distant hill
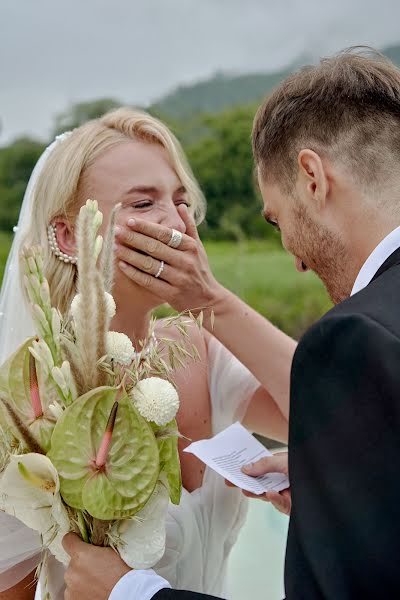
223,91
220,92
393,52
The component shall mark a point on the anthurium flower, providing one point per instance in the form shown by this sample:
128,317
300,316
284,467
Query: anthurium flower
106,456
30,491
142,538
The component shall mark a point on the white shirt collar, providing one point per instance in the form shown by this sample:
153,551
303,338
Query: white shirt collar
376,259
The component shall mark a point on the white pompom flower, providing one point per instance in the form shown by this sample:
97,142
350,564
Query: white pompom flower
156,399
110,305
119,348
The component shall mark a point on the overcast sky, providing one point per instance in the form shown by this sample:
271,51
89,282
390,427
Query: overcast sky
54,52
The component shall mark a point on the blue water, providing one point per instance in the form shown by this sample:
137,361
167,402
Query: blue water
257,560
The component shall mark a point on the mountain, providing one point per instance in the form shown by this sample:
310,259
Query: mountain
393,52
217,93
223,91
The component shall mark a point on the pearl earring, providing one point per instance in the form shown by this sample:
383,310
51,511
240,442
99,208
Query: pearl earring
55,248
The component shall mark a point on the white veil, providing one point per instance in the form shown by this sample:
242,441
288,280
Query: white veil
20,547
15,320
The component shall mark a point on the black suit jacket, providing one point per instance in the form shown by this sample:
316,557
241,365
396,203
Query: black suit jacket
344,451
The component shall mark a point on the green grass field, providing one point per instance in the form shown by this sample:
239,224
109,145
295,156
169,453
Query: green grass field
263,275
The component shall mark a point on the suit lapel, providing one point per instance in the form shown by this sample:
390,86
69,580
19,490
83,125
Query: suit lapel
392,261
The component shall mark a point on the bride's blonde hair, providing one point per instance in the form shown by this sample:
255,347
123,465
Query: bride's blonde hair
58,188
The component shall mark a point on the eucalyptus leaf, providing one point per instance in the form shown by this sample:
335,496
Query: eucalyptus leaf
128,478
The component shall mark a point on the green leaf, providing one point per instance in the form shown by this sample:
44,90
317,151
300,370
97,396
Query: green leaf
169,461
132,468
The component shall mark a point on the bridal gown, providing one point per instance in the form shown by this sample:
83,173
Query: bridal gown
201,531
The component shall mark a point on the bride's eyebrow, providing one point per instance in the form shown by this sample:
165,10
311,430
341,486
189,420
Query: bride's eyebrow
143,189
180,190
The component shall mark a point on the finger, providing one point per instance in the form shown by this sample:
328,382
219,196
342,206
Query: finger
229,484
147,264
267,464
72,543
147,245
280,502
255,496
156,286
156,233
187,218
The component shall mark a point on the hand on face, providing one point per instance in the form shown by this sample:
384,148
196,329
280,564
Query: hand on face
92,572
186,281
278,463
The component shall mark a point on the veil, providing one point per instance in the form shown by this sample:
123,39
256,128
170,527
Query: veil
15,319
20,546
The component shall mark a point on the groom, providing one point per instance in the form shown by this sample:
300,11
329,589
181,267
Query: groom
327,148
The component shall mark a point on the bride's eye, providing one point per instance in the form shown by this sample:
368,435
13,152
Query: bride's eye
142,204
183,201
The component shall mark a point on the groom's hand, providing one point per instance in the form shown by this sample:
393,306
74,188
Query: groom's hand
277,463
92,572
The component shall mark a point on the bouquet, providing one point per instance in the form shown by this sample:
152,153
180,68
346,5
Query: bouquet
88,436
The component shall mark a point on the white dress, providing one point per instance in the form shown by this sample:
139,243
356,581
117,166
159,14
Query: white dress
200,531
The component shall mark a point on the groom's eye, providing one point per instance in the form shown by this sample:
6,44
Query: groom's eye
273,223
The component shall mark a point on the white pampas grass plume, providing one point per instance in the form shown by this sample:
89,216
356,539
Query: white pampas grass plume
156,399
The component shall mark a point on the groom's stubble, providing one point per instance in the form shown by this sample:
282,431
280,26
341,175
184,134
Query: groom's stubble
323,252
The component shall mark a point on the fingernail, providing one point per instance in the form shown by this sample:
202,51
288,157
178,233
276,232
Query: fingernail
131,222
117,230
122,265
247,467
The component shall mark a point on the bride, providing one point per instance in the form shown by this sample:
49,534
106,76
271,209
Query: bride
131,158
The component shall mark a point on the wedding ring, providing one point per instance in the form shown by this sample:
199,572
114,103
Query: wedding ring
160,270
176,238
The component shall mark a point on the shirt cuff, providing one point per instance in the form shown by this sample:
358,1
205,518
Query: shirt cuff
138,585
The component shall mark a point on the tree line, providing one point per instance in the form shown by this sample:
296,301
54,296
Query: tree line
218,147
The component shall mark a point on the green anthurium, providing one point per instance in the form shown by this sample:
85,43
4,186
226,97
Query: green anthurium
119,483
169,459
26,390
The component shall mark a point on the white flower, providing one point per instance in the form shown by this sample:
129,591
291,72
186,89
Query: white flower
56,410
110,305
142,538
30,491
119,347
156,399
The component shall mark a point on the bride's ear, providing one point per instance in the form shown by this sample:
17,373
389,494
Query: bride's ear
65,235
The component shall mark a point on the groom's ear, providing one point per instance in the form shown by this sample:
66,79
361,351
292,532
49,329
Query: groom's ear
313,179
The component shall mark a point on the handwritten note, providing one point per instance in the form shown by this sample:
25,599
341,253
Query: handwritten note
228,451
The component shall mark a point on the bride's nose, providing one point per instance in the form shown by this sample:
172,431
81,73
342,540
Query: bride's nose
173,220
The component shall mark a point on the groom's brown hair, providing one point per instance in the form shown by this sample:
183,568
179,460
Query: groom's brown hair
347,108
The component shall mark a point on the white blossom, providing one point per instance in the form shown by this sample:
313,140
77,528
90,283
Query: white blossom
156,399
30,491
119,348
110,306
142,538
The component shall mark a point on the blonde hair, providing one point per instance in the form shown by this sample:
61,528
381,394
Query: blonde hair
57,192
